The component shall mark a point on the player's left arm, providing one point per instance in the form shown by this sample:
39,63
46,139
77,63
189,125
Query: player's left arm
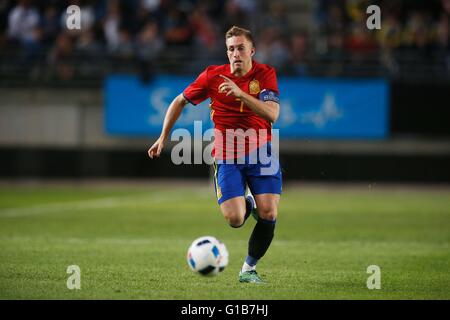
269,110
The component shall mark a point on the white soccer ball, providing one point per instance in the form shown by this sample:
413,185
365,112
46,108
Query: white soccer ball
207,256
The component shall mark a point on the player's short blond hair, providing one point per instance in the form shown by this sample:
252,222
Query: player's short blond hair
235,31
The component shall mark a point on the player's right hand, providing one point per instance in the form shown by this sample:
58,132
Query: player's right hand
156,148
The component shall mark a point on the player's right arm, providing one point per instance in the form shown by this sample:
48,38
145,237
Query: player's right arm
195,93
172,114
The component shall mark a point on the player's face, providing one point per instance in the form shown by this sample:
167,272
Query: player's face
240,51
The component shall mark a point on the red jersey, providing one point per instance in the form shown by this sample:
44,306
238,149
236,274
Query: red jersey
228,112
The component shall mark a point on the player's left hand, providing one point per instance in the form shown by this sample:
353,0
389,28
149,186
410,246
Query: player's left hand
229,87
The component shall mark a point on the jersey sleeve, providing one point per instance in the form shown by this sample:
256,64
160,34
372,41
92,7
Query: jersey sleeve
269,88
270,81
197,91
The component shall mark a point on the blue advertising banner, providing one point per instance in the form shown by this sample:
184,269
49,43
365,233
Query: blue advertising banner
310,108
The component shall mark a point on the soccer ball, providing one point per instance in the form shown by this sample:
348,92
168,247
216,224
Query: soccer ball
207,256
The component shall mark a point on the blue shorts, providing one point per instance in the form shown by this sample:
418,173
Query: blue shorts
262,175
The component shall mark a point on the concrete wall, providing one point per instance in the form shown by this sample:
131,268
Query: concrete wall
74,118
57,118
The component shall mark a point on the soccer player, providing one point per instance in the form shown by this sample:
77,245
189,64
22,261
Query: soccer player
244,104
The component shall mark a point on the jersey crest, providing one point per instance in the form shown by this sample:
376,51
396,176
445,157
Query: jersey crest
254,87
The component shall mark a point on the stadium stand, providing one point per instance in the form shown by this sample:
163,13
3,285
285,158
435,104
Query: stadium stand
51,78
306,38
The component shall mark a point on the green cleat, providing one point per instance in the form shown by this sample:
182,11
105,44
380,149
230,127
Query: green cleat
250,277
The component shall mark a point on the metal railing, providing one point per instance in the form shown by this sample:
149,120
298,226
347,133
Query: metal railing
19,69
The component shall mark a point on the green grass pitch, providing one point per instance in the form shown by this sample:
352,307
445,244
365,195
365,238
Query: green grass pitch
130,242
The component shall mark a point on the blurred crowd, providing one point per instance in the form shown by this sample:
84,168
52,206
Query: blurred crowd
118,31
412,32
185,35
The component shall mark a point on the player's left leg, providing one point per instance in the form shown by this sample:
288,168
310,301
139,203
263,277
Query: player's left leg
265,182
262,235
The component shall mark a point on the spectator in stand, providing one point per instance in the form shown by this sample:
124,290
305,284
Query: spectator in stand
50,25
148,42
23,25
61,58
88,47
146,10
206,33
111,25
177,30
150,5
234,15
148,47
355,10
299,60
278,18
336,21
359,43
417,49
125,47
335,53
389,39
273,49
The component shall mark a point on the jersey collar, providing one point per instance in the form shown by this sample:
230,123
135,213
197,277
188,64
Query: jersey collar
247,75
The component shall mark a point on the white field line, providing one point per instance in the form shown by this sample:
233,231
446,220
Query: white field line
101,203
102,241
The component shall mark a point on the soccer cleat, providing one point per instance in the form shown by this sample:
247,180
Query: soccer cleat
250,277
254,211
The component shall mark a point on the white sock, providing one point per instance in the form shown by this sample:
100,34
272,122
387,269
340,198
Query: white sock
247,267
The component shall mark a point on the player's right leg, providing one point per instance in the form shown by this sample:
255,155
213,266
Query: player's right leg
230,188
233,211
